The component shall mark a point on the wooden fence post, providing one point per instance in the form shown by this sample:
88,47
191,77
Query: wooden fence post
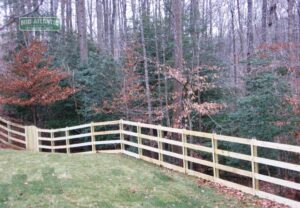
52,142
122,135
32,138
184,151
8,125
67,133
214,143
254,166
159,144
93,139
139,131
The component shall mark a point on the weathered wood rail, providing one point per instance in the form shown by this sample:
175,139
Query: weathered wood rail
160,145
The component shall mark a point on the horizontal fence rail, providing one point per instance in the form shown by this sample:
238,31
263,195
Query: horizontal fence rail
177,149
13,134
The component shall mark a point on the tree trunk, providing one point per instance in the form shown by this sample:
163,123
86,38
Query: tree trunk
112,28
62,15
106,24
273,21
69,16
124,8
35,4
53,6
90,15
298,11
133,9
233,46
157,62
291,19
210,20
195,30
264,21
241,29
249,36
81,26
166,97
178,58
148,93
99,24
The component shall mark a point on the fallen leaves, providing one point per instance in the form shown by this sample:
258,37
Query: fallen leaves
248,199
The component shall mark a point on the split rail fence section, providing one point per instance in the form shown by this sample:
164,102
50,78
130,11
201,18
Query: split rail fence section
176,149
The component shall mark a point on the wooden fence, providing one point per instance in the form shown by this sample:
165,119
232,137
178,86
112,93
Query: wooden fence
13,134
177,149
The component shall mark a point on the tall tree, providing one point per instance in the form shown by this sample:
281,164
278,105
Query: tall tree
148,92
178,58
69,16
273,21
99,10
241,29
112,28
291,19
62,15
233,44
106,23
195,30
91,18
264,21
250,37
81,27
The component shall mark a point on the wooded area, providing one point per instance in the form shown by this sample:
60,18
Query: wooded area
230,67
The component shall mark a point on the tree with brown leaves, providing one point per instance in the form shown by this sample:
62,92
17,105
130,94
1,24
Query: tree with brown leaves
30,81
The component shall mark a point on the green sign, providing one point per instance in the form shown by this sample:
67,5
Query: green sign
39,24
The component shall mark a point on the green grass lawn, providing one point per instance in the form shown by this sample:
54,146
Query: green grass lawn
98,180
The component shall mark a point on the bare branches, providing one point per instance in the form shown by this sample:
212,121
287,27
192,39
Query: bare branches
13,18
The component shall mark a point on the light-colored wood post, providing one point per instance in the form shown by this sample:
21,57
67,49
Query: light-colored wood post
159,144
184,151
214,143
67,133
139,132
93,138
8,132
122,135
254,165
32,138
52,142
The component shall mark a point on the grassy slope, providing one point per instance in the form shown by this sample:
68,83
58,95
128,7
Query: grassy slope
99,180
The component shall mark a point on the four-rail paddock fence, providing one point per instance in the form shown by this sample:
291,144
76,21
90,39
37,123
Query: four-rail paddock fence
178,149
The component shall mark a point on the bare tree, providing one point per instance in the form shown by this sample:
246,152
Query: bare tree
69,16
99,10
241,29
62,15
250,38
91,19
233,44
178,57
264,21
112,28
106,23
81,27
291,19
273,20
148,92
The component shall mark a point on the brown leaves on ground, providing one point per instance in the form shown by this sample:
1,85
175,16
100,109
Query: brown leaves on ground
248,199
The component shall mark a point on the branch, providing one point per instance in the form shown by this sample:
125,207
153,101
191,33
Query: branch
14,18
